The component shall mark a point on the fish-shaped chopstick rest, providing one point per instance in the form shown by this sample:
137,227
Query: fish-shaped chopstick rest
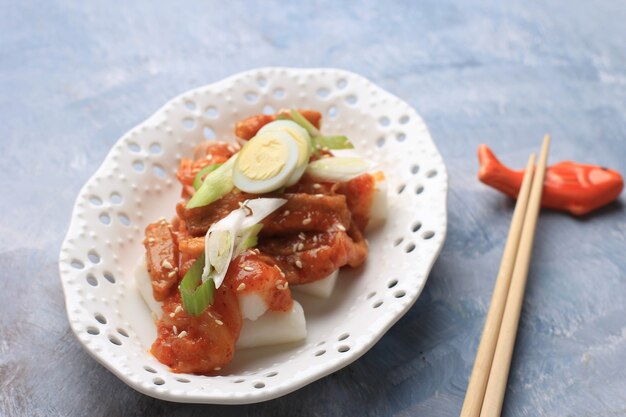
570,186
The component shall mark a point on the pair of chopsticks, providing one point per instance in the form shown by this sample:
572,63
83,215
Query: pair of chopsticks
487,385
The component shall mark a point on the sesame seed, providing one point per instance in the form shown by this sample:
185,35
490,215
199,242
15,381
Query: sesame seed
286,285
301,236
317,186
172,315
219,322
319,195
174,329
231,149
281,271
286,213
209,157
248,268
300,246
299,263
178,309
306,221
341,227
171,273
151,240
217,368
166,264
182,334
241,287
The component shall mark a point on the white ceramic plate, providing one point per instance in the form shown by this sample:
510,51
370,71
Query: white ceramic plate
136,184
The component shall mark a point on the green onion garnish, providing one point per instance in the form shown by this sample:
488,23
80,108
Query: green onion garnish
297,117
196,298
249,239
334,142
215,185
317,140
197,181
337,168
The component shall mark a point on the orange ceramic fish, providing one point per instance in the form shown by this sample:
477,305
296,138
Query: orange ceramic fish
569,186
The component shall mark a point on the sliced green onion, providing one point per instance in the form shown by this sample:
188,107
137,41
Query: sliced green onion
282,116
337,168
219,244
196,298
197,181
334,142
259,208
215,186
226,235
317,140
297,117
249,239
250,242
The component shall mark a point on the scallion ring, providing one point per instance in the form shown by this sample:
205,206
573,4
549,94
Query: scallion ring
297,117
196,298
197,181
334,142
318,141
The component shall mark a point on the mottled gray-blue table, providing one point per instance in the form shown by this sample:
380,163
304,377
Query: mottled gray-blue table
74,77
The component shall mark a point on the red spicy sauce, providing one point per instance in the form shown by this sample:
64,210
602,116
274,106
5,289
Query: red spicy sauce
316,232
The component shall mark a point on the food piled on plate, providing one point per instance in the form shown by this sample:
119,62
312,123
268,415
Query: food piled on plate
284,208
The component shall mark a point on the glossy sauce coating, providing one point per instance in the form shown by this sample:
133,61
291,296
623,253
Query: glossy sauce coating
316,232
201,344
161,258
256,273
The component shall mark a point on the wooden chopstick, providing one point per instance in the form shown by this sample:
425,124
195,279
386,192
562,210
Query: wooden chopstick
498,375
484,356
485,364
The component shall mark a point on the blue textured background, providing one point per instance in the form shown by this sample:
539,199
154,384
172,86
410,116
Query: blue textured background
75,77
